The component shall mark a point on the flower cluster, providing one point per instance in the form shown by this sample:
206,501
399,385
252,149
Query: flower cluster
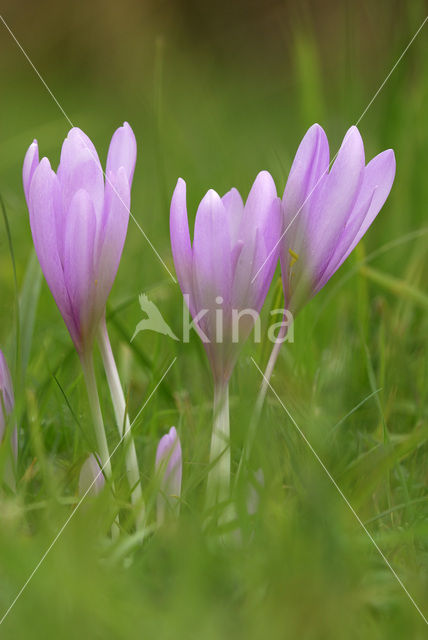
79,217
322,216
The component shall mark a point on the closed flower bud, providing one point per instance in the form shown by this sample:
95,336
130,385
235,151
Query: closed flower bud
169,468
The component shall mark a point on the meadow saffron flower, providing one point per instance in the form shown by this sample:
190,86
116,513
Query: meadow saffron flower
7,402
169,467
326,213
79,222
232,243
6,393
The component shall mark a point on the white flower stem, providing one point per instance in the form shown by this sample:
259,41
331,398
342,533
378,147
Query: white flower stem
97,419
94,405
122,421
219,474
252,427
269,368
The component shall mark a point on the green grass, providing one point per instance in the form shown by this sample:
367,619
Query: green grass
355,379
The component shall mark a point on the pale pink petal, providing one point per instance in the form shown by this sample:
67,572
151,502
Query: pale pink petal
180,238
377,182
122,152
43,193
112,235
234,207
79,273
31,162
212,267
80,168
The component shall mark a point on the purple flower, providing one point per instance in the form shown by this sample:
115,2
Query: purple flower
169,466
91,479
6,393
7,403
79,224
326,213
232,243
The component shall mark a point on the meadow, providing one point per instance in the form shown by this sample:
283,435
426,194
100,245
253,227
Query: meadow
215,110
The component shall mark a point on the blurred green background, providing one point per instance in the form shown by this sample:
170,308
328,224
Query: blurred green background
216,92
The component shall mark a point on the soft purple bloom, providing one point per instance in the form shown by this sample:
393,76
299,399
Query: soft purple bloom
6,392
232,244
169,466
91,479
7,403
79,224
326,213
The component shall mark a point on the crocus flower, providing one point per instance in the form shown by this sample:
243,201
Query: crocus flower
326,213
6,395
79,223
169,467
6,407
91,479
232,242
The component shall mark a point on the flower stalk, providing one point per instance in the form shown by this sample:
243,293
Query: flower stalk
225,273
95,408
87,362
325,213
122,421
218,484
269,370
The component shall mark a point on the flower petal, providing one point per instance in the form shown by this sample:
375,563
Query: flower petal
122,152
169,465
377,182
6,387
272,229
309,167
234,207
112,234
31,162
246,293
334,201
180,238
212,264
307,175
79,273
378,178
264,272
257,207
44,190
80,168
169,454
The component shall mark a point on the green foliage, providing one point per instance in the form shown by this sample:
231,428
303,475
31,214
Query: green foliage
355,379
